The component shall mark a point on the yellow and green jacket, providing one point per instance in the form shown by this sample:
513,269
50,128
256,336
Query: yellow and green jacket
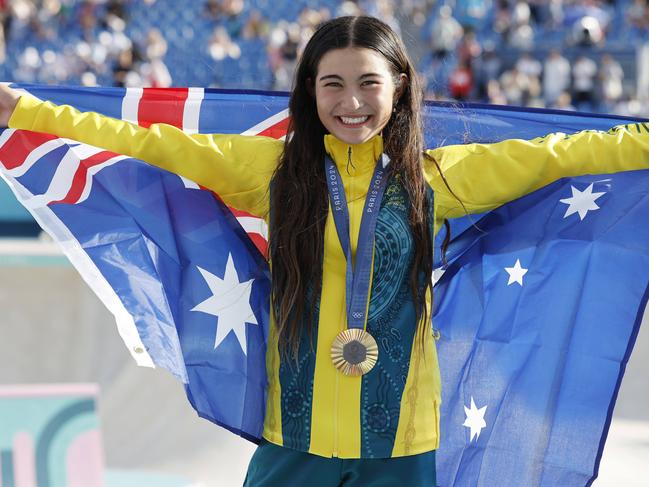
393,410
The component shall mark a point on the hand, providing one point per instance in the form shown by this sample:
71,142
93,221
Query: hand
8,101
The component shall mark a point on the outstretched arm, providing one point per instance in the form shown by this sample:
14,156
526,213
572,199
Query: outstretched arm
485,176
238,168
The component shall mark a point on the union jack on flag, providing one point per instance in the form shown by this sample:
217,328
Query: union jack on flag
528,389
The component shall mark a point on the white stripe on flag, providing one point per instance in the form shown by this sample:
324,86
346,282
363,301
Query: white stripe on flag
254,225
269,122
130,104
35,155
192,110
4,137
61,181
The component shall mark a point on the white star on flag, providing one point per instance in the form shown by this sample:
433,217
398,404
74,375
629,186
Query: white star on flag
230,303
581,202
516,273
475,419
437,274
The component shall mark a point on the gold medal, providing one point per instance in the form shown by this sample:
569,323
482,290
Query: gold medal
354,352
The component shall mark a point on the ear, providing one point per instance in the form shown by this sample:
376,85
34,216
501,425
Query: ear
402,84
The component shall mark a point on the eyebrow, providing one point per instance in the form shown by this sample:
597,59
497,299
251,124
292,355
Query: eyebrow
337,77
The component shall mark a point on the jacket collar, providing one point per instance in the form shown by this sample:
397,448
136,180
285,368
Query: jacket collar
354,158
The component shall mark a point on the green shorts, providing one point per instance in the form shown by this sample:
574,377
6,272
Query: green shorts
276,466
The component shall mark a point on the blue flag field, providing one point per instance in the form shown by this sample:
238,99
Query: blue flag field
537,306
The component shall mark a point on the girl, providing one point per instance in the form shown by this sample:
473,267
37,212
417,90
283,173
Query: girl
352,200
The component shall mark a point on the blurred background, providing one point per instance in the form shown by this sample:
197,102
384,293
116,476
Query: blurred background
592,55
587,55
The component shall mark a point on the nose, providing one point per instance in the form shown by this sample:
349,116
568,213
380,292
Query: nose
351,101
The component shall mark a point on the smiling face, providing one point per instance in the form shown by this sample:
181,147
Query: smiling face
355,93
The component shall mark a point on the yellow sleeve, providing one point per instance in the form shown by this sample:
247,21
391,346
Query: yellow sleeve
238,168
485,176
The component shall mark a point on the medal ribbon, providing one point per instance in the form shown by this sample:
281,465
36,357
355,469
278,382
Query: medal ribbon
357,277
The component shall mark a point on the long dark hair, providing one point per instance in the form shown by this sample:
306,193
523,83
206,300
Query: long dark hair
299,197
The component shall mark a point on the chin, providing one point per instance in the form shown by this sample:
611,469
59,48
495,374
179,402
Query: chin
353,138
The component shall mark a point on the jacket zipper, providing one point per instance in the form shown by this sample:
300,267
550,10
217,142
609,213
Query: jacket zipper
349,159
337,382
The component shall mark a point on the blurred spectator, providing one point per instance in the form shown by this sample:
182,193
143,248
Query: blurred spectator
384,10
153,71
88,79
637,15
519,88
29,62
91,56
257,27
309,18
577,10
610,78
556,76
106,41
555,14
5,23
348,8
124,72
232,10
115,8
529,66
435,73
226,13
531,69
416,10
539,11
584,72
212,9
564,102
221,45
471,13
521,35
587,32
445,33
502,20
284,52
495,94
468,48
486,69
460,81
156,45
631,106
155,74
88,19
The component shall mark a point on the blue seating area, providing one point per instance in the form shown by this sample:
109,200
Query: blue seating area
187,30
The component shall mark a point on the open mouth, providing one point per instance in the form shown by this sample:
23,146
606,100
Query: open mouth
353,121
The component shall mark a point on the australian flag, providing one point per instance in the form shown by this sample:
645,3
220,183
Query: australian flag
538,303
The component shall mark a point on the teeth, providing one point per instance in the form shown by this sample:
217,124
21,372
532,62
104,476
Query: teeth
354,120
